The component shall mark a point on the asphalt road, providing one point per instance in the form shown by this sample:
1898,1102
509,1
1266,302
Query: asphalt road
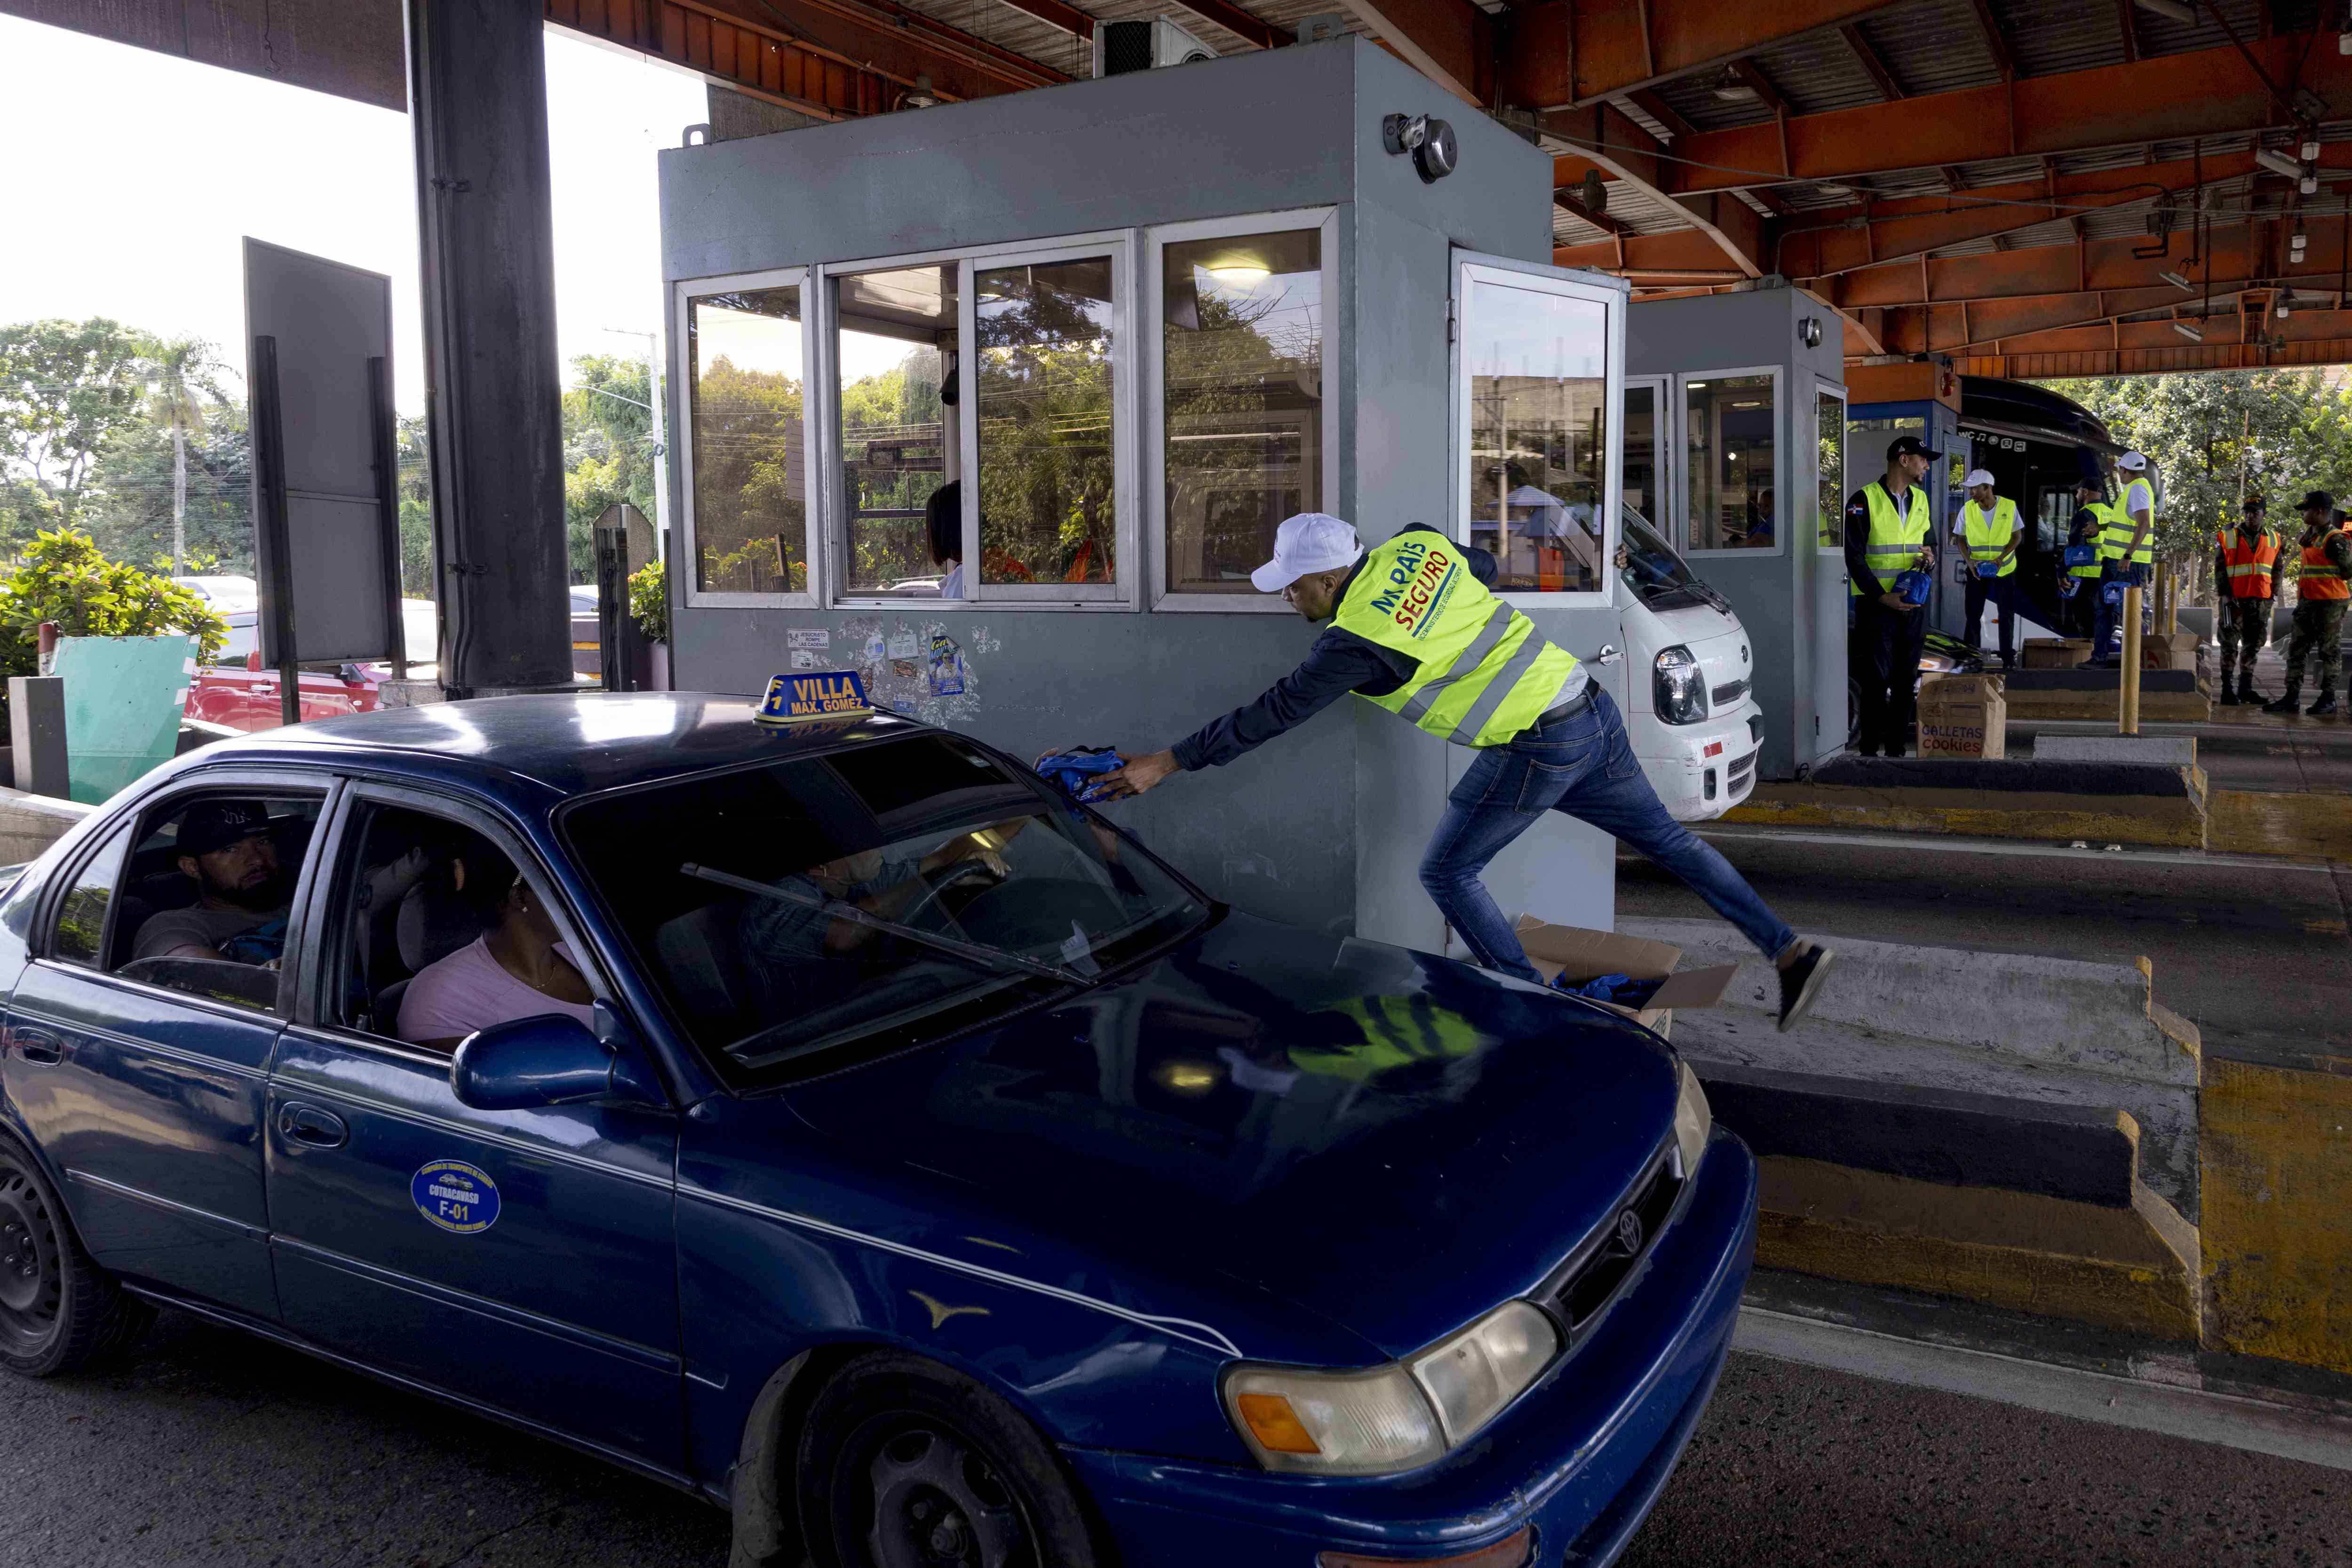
211,1448
2254,954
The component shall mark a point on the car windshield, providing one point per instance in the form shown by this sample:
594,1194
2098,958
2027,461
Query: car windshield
868,897
1657,574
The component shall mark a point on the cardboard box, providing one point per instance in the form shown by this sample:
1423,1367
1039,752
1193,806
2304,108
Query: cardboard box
2176,651
2054,653
1963,716
1582,955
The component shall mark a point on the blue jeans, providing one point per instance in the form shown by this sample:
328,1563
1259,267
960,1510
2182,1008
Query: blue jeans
2109,622
1584,766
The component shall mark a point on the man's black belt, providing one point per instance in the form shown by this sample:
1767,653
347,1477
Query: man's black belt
1568,710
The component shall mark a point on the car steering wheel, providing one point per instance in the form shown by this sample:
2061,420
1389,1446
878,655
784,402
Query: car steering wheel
945,878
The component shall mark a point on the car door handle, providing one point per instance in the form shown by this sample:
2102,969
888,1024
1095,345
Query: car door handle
309,1125
38,1046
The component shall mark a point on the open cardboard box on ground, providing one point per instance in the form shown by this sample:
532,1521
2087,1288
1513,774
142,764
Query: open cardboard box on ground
1583,955
2054,653
1963,716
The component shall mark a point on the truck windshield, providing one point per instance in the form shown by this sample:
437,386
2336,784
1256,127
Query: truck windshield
1657,574
864,899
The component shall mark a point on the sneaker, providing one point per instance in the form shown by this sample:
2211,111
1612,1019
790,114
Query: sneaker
1799,982
2230,697
2325,705
2287,704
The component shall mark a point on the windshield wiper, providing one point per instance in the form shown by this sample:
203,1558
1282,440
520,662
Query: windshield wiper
995,958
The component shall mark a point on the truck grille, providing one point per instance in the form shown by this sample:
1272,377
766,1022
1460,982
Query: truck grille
1582,1288
1729,691
1740,770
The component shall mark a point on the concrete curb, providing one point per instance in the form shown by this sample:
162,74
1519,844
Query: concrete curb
30,823
2175,818
2295,826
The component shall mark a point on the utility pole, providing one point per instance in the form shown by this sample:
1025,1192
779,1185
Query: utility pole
661,437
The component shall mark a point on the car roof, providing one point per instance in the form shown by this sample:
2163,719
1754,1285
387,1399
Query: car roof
573,743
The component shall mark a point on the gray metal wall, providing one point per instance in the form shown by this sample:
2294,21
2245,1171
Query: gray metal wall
1292,829
1790,603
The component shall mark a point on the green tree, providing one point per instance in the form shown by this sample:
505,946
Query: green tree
608,450
415,463
144,476
183,376
2278,433
64,387
65,578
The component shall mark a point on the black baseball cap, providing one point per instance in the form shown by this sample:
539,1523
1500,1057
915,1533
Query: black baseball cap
2319,498
2255,503
217,824
1909,447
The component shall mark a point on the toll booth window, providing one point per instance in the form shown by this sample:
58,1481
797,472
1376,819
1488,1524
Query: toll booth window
1730,422
1643,449
1828,447
751,483
1535,366
895,352
1242,332
1047,482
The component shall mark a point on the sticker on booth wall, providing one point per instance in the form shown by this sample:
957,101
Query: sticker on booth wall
809,639
455,1197
906,644
803,659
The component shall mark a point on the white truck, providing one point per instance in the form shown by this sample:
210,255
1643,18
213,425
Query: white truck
1690,708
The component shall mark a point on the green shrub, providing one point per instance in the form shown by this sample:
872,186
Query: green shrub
62,577
649,600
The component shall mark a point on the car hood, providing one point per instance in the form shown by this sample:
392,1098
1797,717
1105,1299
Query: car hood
1394,1142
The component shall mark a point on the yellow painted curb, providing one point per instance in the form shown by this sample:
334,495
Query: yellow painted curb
2174,822
2154,707
2134,1269
2299,827
2274,1186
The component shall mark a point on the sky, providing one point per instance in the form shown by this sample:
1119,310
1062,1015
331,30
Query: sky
148,227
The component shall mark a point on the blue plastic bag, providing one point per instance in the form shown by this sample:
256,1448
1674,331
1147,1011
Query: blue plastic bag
1079,770
1913,585
1987,568
2082,556
1622,989
2111,593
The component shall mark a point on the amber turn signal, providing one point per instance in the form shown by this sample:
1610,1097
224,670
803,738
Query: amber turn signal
1275,1425
1511,1552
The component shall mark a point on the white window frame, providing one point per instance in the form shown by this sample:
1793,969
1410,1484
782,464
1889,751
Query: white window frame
686,293
1119,594
1822,388
1780,428
1662,426
1153,420
1471,267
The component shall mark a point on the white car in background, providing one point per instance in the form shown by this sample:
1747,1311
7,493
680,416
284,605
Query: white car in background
1690,711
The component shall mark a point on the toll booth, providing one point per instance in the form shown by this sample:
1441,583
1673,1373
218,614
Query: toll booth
1736,416
1920,399
1137,322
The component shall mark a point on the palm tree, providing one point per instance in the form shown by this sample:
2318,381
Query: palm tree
179,372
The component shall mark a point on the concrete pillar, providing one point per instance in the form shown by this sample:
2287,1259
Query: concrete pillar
478,103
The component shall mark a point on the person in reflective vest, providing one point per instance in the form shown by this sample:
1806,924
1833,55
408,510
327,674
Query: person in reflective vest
2246,563
2078,585
2320,594
1415,630
1887,528
2125,554
1988,537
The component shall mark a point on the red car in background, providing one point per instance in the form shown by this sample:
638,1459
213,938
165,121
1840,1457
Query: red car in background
239,693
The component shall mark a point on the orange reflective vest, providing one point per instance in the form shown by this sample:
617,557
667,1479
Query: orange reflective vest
2321,580
2251,558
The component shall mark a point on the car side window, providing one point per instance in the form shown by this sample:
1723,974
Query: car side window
206,895
442,933
81,933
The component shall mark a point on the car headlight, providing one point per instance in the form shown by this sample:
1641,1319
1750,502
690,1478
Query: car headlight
1392,1417
1694,1121
1677,687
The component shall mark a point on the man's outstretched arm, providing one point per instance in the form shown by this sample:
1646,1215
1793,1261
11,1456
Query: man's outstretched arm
1337,664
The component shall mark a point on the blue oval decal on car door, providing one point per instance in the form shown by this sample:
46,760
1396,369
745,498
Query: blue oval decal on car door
455,1197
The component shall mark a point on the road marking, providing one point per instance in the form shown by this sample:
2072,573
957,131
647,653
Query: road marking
2171,1408
1955,846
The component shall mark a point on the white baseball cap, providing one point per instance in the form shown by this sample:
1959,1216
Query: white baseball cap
2132,462
1309,542
1978,476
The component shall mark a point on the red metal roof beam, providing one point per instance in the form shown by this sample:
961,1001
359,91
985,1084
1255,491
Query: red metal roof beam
1572,53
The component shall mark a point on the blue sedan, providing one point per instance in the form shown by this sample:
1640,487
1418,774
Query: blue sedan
836,1123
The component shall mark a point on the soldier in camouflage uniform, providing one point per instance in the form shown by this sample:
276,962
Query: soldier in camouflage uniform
2247,560
2320,594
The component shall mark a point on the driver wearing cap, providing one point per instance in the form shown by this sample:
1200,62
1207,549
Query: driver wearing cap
1415,630
225,848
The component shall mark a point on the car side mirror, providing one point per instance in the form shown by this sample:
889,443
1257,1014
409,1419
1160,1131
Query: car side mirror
550,1060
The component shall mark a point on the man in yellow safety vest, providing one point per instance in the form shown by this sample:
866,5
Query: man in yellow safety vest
1987,537
1415,630
2078,586
1888,534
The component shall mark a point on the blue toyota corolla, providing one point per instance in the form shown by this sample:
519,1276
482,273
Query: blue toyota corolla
838,1124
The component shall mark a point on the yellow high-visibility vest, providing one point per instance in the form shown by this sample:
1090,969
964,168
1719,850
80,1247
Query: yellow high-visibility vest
1989,536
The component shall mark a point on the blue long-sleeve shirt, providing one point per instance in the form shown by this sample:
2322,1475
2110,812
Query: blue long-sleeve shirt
1338,663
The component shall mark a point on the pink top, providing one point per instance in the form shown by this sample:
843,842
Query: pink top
468,990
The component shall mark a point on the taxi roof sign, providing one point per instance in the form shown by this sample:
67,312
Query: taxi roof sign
814,694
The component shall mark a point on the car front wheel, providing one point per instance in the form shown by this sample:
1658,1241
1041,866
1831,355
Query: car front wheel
58,1311
904,1463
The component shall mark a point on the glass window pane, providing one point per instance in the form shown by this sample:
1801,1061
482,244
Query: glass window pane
1537,365
1046,479
1829,443
1242,326
82,915
895,352
1730,422
1641,476
750,487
